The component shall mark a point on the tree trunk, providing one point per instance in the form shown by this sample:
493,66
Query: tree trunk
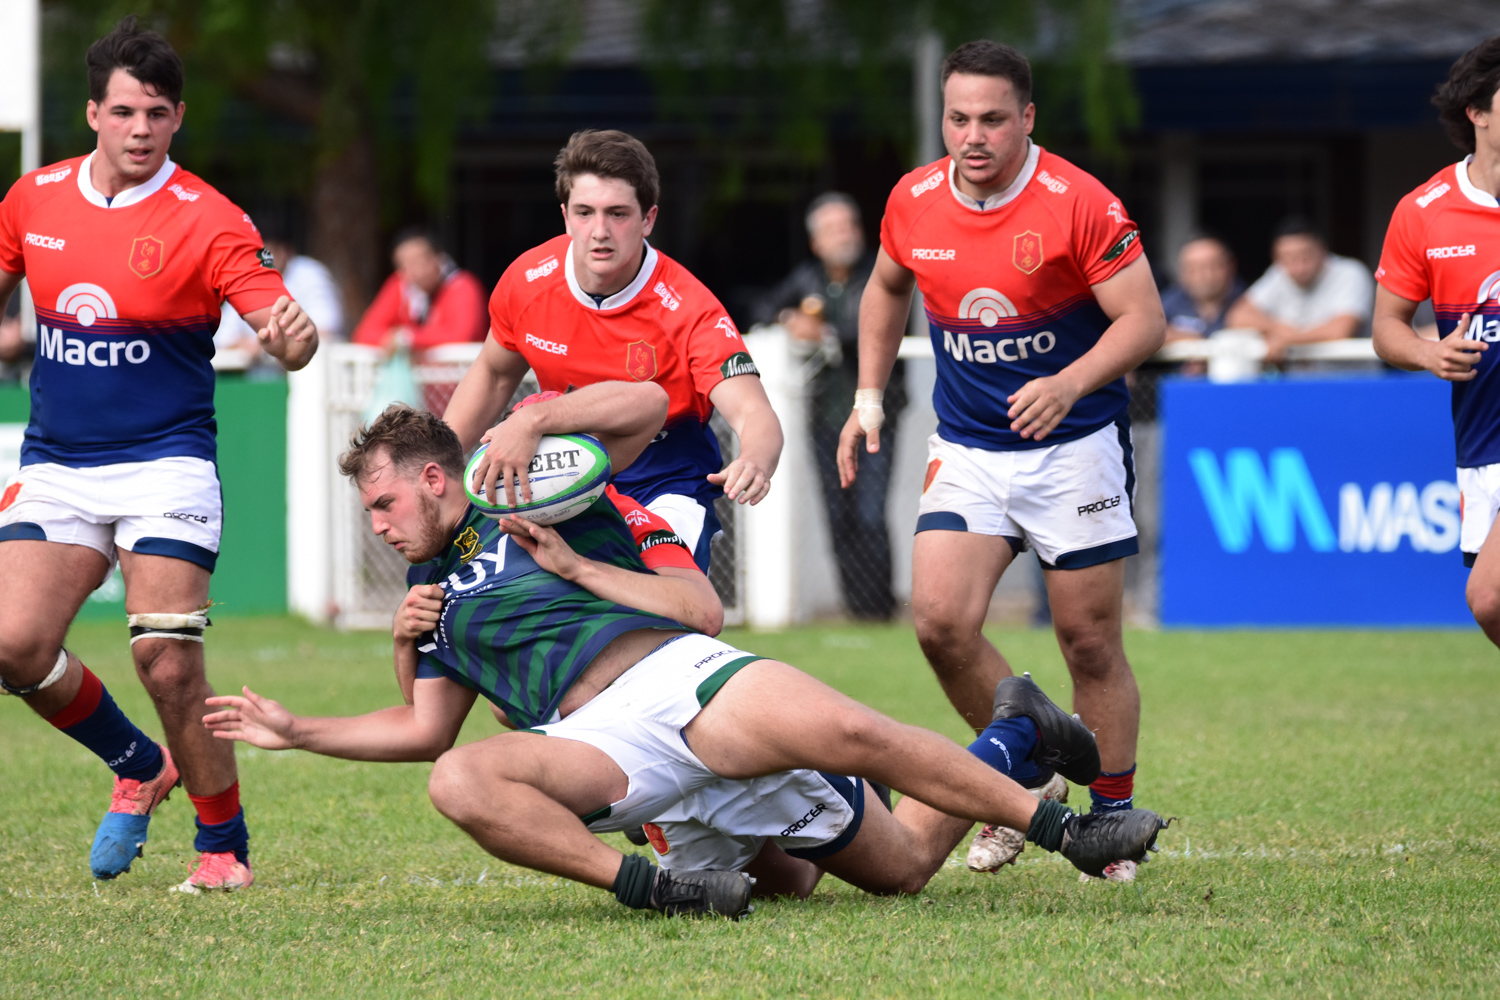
345,230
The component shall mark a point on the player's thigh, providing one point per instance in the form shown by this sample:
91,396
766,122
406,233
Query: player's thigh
162,584
45,583
954,574
1087,599
577,775
770,717
881,856
1480,489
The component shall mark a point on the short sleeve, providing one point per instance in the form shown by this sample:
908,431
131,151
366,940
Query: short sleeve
714,348
1353,293
239,269
502,327
659,545
1403,268
1105,238
12,255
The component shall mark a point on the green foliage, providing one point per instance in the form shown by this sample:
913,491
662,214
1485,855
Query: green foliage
1336,793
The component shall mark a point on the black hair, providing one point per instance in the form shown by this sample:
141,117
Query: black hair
1472,82
983,57
408,233
825,199
1298,225
143,54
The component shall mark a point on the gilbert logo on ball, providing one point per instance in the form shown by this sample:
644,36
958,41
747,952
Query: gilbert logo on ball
567,474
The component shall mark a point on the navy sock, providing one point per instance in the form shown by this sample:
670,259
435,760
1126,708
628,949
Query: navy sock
93,719
231,835
1006,745
1113,791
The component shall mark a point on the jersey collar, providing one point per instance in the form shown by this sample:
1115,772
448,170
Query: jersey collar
1033,154
620,298
131,195
1471,192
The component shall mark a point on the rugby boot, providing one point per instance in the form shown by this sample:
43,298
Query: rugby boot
1096,842
122,833
1064,744
996,846
694,893
218,870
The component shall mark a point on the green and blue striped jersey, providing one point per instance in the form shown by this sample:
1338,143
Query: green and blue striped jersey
513,632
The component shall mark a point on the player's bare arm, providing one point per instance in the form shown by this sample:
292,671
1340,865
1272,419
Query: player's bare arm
684,595
746,408
422,730
1137,330
286,332
1452,358
485,391
418,614
882,323
624,416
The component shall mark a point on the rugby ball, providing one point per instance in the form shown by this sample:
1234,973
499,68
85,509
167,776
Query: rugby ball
567,474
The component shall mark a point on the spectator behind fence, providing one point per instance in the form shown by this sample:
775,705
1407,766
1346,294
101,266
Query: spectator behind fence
1208,285
1307,294
426,302
17,340
818,303
308,281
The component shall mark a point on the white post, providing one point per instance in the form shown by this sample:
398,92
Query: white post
770,527
20,77
309,481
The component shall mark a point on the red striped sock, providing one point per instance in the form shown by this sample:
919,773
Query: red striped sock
216,809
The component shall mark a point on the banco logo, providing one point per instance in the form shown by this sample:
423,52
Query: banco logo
986,305
1278,495
86,303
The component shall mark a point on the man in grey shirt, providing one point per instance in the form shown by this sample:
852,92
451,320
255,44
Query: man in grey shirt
1307,294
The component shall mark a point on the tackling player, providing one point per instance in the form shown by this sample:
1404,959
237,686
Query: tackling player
129,258
1038,300
1444,244
646,711
600,303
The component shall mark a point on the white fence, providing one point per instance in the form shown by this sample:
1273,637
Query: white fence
775,567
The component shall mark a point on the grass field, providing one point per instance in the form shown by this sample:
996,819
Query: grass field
1338,797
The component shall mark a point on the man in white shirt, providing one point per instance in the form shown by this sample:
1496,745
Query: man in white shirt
1307,294
308,279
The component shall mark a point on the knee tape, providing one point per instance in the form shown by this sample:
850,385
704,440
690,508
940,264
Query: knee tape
188,628
56,675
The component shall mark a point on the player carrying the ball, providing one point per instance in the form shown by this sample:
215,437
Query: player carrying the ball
1038,300
1444,244
625,712
129,257
600,303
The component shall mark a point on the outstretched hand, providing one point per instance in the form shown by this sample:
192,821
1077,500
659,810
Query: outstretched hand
251,719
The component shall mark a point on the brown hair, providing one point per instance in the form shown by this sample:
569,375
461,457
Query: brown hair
408,438
145,55
609,154
983,57
1472,82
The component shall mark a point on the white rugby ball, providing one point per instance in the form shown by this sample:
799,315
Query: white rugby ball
567,474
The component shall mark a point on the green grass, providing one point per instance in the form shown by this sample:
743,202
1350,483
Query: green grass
1337,796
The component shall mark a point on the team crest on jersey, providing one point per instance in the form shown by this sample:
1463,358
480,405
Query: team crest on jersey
467,544
1027,253
640,360
146,255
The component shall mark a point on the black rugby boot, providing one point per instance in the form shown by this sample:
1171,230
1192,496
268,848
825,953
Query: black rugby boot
1094,841
1065,744
694,893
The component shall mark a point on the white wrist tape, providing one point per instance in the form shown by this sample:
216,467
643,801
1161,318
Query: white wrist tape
869,404
60,668
188,628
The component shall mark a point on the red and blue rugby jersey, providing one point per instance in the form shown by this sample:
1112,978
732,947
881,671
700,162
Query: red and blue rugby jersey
127,295
664,327
1006,289
1444,244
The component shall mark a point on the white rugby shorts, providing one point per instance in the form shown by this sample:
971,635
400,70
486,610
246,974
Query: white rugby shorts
724,825
1071,502
638,720
164,507
1479,501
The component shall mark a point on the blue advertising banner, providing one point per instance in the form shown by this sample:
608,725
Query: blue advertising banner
1329,501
